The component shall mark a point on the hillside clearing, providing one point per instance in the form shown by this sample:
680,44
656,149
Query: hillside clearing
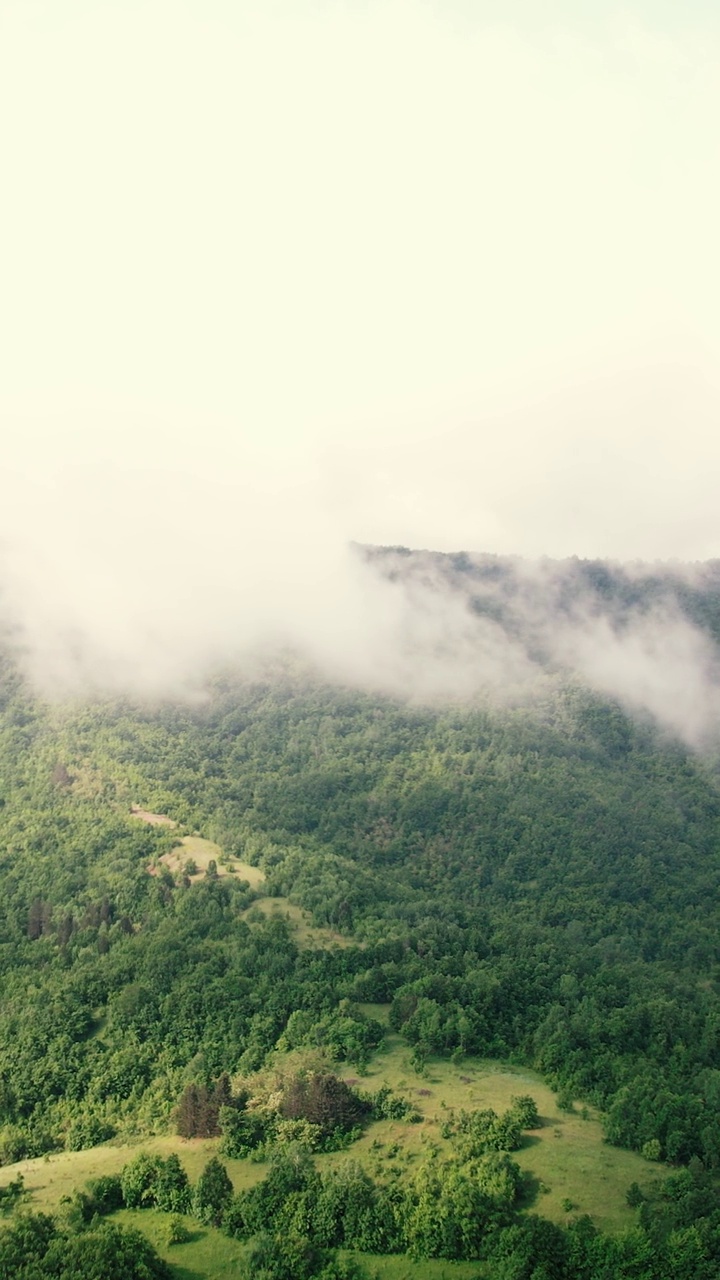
48,1179
155,819
567,1158
305,933
212,1255
201,852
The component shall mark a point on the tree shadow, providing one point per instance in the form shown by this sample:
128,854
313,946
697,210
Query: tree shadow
193,1237
528,1140
529,1189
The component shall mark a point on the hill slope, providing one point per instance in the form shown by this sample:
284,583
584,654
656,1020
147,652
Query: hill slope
534,881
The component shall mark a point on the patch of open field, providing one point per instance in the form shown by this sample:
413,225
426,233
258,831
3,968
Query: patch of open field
246,871
49,1178
306,934
201,852
208,1253
567,1158
197,850
211,1255
155,819
400,1267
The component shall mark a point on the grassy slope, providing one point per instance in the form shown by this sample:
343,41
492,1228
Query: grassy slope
305,933
202,852
208,1254
567,1155
49,1178
211,1256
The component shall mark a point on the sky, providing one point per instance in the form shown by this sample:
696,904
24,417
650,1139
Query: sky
274,277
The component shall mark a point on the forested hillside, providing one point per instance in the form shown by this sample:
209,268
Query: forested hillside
536,882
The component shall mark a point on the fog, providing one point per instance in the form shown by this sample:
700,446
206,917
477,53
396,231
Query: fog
276,279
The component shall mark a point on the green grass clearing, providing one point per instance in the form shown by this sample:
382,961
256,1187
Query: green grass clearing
400,1267
211,1255
305,933
49,1178
155,819
568,1155
203,852
208,1253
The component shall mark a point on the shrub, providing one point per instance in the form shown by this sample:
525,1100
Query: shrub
244,1131
105,1193
213,1193
524,1109
11,1194
139,1180
177,1231
387,1105
634,1195
88,1131
172,1191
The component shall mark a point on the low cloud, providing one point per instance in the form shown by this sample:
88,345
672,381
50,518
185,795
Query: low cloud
280,278
656,662
126,611
508,629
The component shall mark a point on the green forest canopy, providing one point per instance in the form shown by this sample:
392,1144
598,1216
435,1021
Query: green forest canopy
537,883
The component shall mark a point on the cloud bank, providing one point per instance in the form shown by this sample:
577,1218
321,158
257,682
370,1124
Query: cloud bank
277,278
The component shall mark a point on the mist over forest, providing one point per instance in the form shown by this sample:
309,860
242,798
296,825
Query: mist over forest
417,625
359,640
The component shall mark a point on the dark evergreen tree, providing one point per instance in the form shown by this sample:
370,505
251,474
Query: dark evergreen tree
324,1100
188,1112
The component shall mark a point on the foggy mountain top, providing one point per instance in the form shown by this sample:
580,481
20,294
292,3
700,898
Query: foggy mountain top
647,635
428,627
529,595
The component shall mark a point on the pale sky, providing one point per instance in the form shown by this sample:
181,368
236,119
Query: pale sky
276,276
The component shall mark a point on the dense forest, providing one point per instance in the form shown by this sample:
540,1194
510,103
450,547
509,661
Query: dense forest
536,882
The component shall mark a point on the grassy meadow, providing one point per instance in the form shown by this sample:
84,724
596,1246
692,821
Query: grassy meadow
567,1157
210,1255
196,849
